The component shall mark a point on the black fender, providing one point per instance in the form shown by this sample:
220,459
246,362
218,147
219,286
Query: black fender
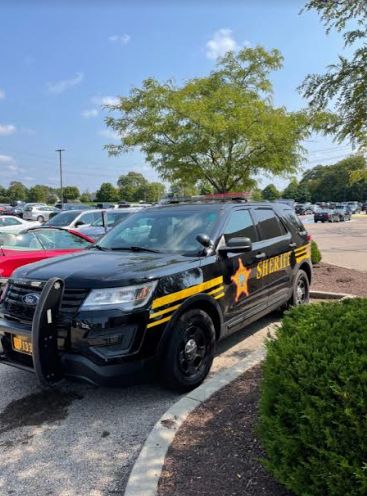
202,301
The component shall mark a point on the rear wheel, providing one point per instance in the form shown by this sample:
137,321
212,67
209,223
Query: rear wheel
300,292
40,218
190,351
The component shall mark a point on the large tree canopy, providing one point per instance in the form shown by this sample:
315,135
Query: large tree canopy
220,129
344,85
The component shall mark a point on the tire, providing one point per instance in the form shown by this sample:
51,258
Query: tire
190,351
316,221
40,219
301,282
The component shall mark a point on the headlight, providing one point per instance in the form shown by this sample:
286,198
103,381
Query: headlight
125,298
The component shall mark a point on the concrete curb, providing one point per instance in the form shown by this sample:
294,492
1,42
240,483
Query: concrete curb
143,480
327,295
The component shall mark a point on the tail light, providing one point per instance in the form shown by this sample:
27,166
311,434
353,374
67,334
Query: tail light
309,237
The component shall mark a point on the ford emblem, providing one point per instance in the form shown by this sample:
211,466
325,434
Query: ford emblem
31,299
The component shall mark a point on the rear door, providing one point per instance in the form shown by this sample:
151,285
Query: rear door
274,269
244,293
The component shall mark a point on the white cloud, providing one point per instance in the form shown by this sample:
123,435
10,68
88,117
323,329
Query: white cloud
120,38
28,179
110,134
221,43
61,86
90,113
7,129
2,94
105,100
6,159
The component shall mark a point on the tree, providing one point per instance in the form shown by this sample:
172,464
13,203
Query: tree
344,85
38,193
85,198
290,191
17,191
270,193
332,182
106,193
3,195
151,192
52,198
221,128
184,188
70,193
130,184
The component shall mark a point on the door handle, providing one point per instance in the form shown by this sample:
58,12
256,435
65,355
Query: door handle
260,256
292,245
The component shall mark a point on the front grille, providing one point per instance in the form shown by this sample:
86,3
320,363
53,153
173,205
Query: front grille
13,305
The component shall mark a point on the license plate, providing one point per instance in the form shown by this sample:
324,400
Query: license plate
22,344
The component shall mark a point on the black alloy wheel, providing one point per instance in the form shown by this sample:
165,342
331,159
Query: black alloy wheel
190,351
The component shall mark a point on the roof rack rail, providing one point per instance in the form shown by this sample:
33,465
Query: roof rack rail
210,198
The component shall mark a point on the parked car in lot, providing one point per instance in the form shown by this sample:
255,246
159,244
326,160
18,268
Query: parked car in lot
12,224
156,293
326,215
344,213
72,219
97,229
37,244
40,213
355,207
303,209
72,206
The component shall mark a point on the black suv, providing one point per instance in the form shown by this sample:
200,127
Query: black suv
155,293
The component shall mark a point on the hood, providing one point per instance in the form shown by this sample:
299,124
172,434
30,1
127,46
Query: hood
92,269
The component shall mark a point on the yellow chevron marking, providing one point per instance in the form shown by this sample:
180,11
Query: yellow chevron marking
301,248
157,322
185,293
219,296
221,288
166,310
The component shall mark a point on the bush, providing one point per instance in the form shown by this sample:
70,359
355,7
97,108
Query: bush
316,256
313,405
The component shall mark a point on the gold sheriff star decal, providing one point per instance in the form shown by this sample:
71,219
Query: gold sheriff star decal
240,279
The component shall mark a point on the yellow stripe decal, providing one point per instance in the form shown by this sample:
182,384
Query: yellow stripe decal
157,322
221,288
219,296
299,259
301,248
185,293
166,310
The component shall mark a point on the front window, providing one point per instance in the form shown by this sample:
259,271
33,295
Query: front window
173,231
44,239
63,219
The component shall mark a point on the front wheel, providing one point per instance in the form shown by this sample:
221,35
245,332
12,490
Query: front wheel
190,351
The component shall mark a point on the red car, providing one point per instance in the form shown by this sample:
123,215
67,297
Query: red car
36,244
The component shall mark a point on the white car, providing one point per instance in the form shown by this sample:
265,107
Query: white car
14,225
38,212
72,219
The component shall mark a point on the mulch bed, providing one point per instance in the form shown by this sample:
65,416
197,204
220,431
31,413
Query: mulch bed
336,279
216,452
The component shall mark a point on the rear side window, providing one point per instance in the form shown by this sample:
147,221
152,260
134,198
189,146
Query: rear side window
293,219
90,217
240,225
269,223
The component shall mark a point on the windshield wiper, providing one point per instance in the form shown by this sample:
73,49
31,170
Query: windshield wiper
98,248
135,248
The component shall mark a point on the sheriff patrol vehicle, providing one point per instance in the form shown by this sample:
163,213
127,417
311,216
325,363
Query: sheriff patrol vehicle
156,293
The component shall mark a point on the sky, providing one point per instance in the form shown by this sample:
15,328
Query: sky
61,60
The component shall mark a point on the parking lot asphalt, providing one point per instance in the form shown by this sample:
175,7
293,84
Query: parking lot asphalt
343,243
80,440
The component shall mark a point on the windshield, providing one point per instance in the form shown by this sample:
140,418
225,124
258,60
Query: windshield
112,219
63,219
43,239
169,230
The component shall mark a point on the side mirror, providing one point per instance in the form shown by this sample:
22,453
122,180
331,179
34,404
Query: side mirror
204,240
236,245
79,223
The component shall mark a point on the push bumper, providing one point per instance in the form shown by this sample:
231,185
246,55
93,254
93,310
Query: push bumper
52,365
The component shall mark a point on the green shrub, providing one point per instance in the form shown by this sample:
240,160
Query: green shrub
313,408
315,253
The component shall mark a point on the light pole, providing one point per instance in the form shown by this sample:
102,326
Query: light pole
60,150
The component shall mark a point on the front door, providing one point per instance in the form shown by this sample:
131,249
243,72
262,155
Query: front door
244,293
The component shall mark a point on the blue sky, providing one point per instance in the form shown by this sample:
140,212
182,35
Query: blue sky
60,60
